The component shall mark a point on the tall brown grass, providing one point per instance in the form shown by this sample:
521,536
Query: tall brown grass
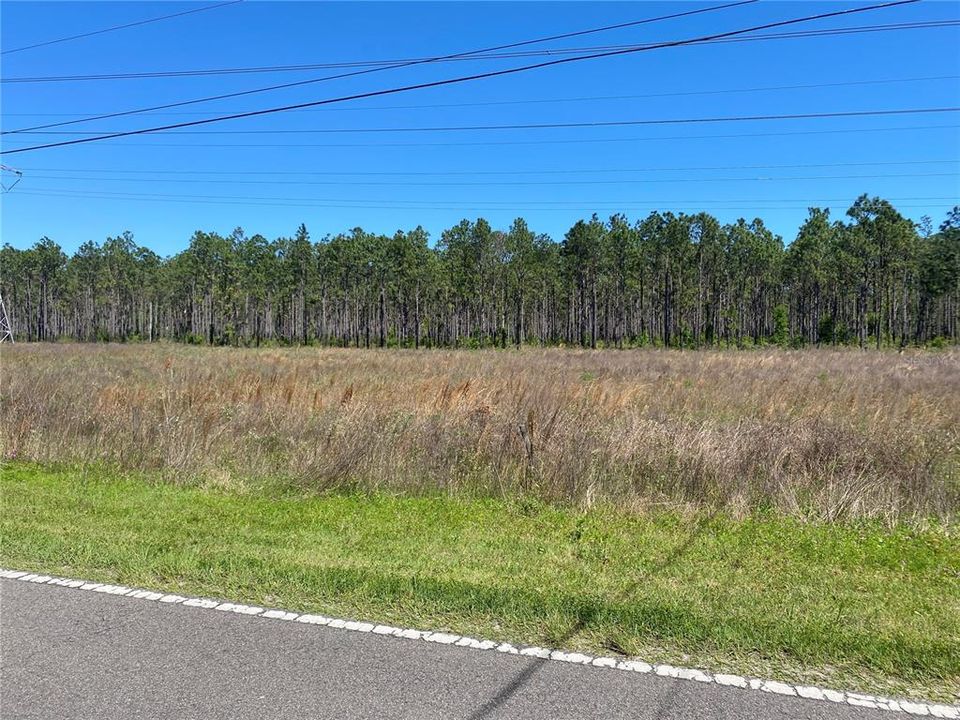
819,434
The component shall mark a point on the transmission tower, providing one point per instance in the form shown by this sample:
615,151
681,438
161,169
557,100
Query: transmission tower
19,175
6,332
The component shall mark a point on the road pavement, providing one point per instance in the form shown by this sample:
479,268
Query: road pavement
66,653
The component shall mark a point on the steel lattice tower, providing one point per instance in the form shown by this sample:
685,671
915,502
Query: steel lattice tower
6,332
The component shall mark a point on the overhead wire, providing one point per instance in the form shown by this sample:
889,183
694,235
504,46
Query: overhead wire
450,81
408,173
161,74
546,126
577,99
519,183
457,207
118,27
568,141
405,64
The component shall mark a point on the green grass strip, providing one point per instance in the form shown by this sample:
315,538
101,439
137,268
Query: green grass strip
853,607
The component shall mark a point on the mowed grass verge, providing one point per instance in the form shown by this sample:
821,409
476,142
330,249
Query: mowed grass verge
856,607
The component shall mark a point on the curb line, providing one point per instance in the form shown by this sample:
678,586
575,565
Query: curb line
808,692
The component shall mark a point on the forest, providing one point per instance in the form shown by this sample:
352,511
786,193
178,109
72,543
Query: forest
874,278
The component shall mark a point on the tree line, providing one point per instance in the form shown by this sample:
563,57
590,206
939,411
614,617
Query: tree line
675,280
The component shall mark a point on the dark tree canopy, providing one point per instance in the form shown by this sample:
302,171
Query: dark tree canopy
668,279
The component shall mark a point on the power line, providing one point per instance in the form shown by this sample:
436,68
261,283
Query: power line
468,78
519,183
442,205
581,99
465,208
574,171
539,126
160,74
576,141
118,27
405,64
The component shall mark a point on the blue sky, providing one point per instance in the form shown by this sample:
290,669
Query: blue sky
271,173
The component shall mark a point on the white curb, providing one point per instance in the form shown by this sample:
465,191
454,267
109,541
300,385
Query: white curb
692,674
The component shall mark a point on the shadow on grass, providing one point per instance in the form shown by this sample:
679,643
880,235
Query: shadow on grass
536,664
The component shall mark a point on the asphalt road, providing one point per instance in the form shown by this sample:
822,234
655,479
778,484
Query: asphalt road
71,654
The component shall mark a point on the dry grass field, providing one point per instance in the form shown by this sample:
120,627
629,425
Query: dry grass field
823,435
